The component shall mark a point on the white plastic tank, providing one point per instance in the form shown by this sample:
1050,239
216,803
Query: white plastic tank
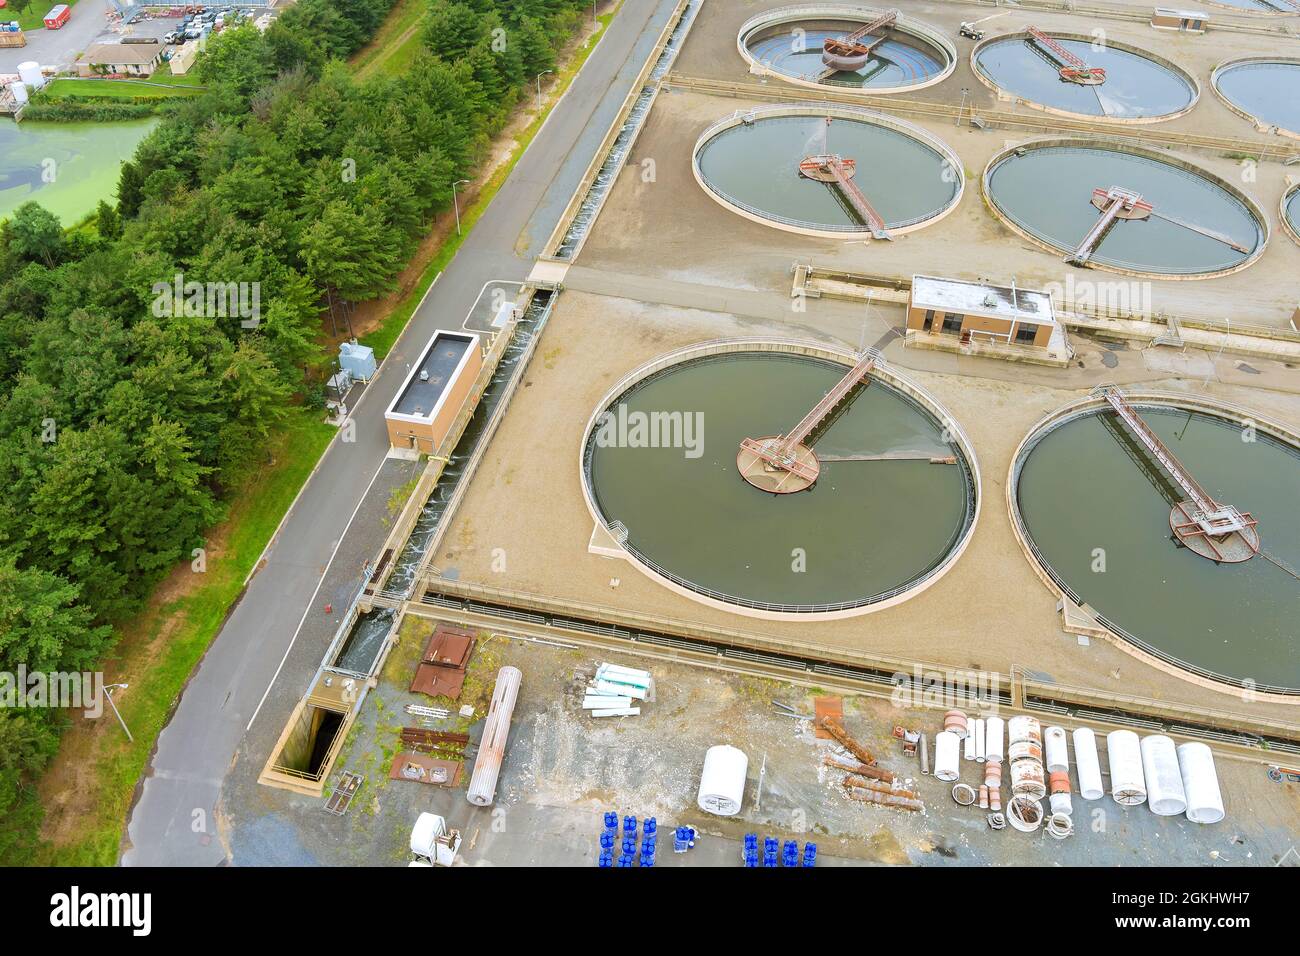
1164,780
1200,783
1086,764
1127,782
1056,749
19,89
722,784
946,756
994,728
29,72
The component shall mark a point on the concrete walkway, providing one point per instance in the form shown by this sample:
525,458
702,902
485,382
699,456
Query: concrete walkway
196,750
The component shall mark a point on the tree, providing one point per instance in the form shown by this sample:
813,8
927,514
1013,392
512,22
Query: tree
107,221
35,233
347,253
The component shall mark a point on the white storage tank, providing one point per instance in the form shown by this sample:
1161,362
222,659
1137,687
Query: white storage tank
1200,783
722,784
1127,783
30,73
1087,765
947,756
1164,780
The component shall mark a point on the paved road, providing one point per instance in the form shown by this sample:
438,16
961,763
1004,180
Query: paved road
194,752
59,47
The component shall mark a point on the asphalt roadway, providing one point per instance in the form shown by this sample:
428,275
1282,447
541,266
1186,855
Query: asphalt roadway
182,782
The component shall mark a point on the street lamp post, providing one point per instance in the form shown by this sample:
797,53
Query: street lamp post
539,88
965,92
455,203
108,693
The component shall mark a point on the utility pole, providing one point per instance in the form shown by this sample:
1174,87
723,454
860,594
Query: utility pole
539,88
108,693
455,203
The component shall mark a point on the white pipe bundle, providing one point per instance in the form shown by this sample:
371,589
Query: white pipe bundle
946,756
496,728
1127,782
614,674
1089,768
980,743
1164,780
994,728
1058,760
1200,783
620,690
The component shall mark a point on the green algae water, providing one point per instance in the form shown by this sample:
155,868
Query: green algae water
1136,87
82,159
1082,489
1047,191
757,165
864,530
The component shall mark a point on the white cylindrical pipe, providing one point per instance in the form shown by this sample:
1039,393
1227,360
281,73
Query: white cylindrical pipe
994,729
968,745
722,783
946,756
1061,804
980,744
1054,746
496,728
1088,767
1127,783
1164,780
1024,729
1200,783
1027,779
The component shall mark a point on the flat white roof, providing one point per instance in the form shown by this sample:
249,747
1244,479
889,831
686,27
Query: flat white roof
1189,14
977,298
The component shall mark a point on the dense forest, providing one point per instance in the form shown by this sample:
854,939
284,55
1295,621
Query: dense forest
122,425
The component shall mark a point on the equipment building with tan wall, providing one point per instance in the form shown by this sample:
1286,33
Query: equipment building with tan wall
434,392
978,312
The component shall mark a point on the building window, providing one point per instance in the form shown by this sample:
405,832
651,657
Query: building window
1025,334
951,322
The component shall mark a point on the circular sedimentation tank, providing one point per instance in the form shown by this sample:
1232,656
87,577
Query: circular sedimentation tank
1291,213
1140,87
1255,6
893,507
1198,225
750,163
789,42
1094,509
1265,90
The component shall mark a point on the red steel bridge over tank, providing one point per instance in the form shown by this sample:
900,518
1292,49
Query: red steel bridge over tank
1118,203
1200,523
783,464
838,171
851,52
1070,67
